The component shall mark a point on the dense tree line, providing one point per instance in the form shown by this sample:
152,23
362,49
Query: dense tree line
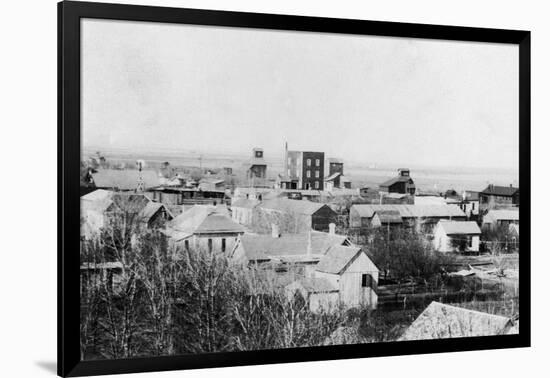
404,254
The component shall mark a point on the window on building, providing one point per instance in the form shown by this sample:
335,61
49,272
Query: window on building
309,162
223,245
209,245
308,173
316,184
289,161
318,162
316,174
473,206
186,244
366,280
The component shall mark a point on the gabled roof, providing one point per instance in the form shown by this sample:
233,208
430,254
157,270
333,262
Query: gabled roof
124,179
130,202
459,228
304,207
389,216
503,191
501,215
139,204
204,219
316,285
98,201
440,320
152,208
288,245
394,180
97,195
410,211
337,258
134,203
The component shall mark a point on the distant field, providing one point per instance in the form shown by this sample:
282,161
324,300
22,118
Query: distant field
426,178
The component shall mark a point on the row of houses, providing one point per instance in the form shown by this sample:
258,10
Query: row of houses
323,267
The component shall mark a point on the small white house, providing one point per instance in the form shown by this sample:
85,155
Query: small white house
456,236
350,270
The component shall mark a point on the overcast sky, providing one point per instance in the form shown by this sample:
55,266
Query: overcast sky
361,98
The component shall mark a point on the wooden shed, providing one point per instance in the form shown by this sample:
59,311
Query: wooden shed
353,273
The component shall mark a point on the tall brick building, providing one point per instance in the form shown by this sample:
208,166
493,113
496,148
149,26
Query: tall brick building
303,170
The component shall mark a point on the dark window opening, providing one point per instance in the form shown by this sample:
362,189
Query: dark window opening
366,280
209,245
186,245
223,245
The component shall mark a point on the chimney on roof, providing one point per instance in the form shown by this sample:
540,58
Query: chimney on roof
275,231
308,251
332,229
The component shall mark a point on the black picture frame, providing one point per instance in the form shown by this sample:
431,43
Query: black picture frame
69,16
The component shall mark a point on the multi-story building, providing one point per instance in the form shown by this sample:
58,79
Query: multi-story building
498,197
257,168
304,170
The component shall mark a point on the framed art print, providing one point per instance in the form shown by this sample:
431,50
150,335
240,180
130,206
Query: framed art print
240,188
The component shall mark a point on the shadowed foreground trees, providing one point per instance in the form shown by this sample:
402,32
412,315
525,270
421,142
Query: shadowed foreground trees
141,297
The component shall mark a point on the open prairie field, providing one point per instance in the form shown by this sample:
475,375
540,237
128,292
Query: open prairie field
361,174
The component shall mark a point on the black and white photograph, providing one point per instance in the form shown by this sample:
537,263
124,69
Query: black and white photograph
249,189
276,188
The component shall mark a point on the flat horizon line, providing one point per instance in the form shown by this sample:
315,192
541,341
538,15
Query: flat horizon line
352,162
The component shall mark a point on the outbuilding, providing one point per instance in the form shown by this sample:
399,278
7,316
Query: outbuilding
452,236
